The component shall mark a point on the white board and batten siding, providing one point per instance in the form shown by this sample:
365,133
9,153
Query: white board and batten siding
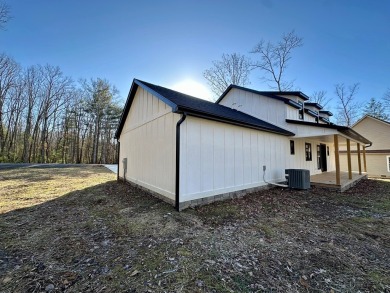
264,108
217,158
298,160
148,141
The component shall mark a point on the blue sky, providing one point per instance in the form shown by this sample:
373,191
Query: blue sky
167,42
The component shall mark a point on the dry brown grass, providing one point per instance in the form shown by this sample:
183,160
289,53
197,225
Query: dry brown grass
80,231
25,187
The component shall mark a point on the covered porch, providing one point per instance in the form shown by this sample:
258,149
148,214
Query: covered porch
337,139
329,179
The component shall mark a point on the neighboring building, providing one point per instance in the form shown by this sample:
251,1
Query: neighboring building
378,155
190,151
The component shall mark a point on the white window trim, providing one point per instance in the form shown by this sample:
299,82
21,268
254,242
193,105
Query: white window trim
388,163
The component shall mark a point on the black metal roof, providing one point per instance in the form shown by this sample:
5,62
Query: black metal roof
271,94
326,112
182,103
315,105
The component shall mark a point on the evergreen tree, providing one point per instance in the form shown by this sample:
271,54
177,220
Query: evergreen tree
376,109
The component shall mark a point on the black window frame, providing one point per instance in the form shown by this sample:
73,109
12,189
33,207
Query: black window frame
319,157
308,151
292,147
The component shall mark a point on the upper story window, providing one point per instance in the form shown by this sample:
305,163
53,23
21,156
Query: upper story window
301,110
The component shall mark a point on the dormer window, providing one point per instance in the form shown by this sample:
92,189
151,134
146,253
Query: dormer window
301,110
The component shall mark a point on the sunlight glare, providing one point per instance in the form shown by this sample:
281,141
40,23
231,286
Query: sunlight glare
193,88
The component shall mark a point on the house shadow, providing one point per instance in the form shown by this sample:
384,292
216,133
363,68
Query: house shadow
81,234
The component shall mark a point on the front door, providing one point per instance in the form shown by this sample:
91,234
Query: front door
323,158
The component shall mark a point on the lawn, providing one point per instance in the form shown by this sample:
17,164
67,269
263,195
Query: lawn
78,230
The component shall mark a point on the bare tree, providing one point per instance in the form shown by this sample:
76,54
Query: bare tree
274,59
32,81
320,97
348,109
44,118
231,69
4,14
9,72
386,100
55,89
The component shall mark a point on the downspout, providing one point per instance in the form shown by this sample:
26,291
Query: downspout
119,147
177,182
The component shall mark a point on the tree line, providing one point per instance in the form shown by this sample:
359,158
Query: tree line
272,59
46,117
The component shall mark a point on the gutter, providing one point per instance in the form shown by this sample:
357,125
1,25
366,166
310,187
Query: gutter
177,181
119,147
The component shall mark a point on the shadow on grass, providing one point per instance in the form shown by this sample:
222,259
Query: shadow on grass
81,234
118,237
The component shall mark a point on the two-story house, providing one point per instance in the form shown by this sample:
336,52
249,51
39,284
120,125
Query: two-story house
190,151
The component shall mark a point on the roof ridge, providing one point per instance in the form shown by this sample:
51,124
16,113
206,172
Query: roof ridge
180,103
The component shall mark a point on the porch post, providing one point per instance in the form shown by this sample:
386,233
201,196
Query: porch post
359,159
337,159
364,159
349,158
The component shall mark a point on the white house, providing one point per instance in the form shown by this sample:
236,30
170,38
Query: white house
189,151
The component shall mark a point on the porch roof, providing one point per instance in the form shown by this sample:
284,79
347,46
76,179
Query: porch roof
342,129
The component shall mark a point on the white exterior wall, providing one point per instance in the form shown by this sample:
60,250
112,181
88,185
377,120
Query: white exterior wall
292,113
216,158
309,118
264,108
298,161
148,141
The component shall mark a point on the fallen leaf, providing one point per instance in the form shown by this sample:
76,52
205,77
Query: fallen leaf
303,282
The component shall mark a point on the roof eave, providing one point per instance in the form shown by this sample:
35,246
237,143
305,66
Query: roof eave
130,97
342,129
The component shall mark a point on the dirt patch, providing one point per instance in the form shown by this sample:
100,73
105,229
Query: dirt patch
110,237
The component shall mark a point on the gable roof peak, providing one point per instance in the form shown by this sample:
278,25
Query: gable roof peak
264,93
183,103
372,117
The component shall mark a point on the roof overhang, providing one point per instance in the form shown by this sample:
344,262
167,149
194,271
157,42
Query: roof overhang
130,97
199,114
342,130
271,94
180,109
315,105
